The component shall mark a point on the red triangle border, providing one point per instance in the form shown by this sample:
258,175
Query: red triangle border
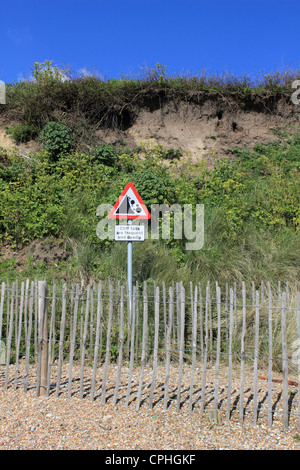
112,214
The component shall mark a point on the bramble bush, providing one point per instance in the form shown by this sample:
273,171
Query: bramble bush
106,154
57,139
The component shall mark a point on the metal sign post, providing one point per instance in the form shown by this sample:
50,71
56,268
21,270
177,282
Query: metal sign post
129,272
129,206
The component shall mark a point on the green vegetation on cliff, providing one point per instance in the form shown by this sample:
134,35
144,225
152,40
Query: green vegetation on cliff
252,210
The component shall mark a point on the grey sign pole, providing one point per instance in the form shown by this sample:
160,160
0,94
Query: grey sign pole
129,272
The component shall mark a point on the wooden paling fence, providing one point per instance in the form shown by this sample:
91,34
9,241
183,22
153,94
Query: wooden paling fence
197,344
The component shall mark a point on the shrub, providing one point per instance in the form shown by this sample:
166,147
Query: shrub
56,138
156,185
106,154
45,71
22,133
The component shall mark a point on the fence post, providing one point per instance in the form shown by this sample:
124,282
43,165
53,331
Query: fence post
61,337
270,412
98,330
133,315
18,334
218,300
108,340
168,346
181,351
231,306
298,359
28,336
194,346
51,341
83,340
121,342
155,352
1,308
203,386
73,336
144,343
43,338
285,396
8,346
256,352
243,354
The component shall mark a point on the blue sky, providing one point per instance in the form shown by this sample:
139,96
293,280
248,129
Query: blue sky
117,37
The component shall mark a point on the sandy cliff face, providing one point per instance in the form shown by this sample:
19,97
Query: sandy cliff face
203,125
207,126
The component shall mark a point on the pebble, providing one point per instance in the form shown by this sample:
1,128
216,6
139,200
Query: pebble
34,423
107,417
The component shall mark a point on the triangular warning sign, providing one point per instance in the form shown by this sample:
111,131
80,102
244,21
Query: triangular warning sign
129,205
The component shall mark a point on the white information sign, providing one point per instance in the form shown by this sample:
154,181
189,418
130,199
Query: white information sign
129,233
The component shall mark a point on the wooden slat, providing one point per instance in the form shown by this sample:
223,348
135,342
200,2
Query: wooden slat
2,307
178,312
270,411
231,307
108,341
285,396
25,306
51,342
144,344
16,313
137,323
243,353
205,345
74,303
10,331
132,326
168,346
201,323
61,337
194,347
226,312
298,352
83,340
98,331
234,307
28,337
41,388
181,350
2,344
121,344
216,394
155,352
7,309
164,295
35,319
210,319
91,338
256,332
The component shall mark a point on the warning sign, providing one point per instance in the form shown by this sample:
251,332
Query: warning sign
129,233
129,205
